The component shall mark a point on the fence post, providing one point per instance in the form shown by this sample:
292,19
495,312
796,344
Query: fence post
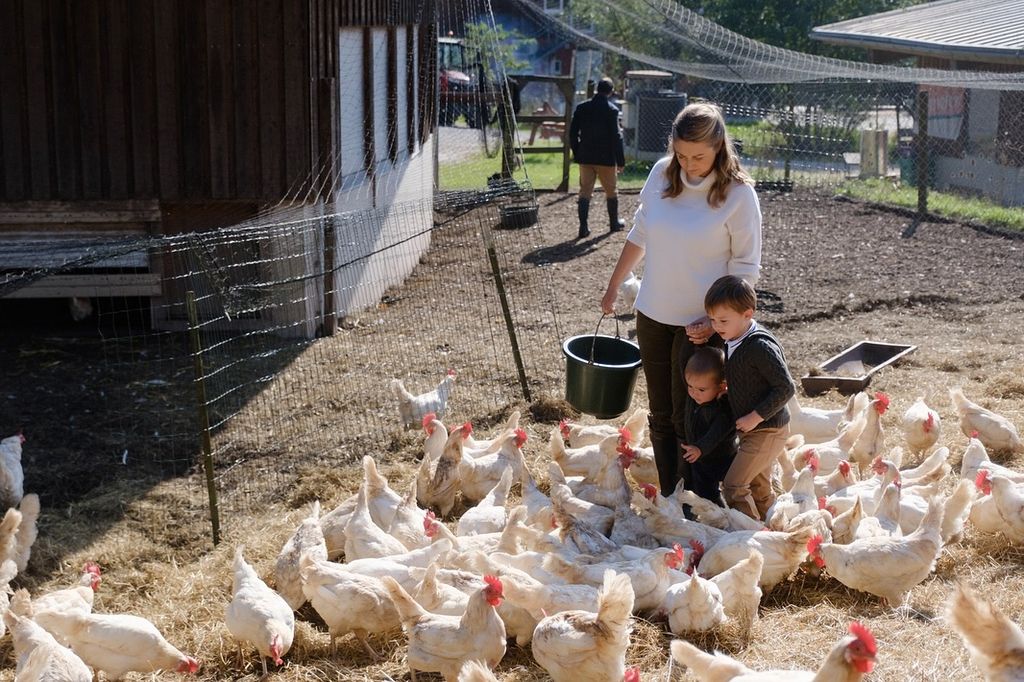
499,284
204,416
920,163
921,154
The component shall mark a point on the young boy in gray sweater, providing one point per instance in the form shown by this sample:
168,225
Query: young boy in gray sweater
759,386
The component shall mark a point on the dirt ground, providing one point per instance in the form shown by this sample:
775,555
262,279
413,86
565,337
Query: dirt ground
834,273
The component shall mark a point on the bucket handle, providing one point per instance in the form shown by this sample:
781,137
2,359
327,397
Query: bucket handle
593,341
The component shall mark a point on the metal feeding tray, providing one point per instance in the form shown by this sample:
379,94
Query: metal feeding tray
851,370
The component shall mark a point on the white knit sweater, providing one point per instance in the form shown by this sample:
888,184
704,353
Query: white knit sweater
688,245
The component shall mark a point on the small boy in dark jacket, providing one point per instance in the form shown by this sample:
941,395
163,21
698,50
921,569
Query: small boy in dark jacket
759,388
710,429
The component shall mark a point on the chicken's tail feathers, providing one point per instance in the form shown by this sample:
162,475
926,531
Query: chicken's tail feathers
8,570
615,601
556,446
957,507
21,604
29,507
475,671
705,665
408,610
982,625
636,424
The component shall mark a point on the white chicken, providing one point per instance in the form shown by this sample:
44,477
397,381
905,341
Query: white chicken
884,566
474,447
348,601
412,408
995,642
783,553
627,293
799,499
921,426
364,539
258,615
650,574
588,460
1009,501
817,425
541,599
871,441
538,505
308,537
38,656
694,605
443,643
850,659
741,593
711,514
832,451
976,458
380,498
28,530
583,645
995,431
407,526
884,521
579,435
53,608
117,644
984,515
12,478
479,475
610,487
490,514
438,484
829,484
597,515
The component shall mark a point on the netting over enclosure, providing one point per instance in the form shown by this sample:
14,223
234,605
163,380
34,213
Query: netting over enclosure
274,320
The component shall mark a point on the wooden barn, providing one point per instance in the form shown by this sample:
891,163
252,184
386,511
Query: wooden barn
121,118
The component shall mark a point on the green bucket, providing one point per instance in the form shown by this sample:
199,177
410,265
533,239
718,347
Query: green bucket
600,372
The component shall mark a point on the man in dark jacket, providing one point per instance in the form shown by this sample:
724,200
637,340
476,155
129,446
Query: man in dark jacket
596,141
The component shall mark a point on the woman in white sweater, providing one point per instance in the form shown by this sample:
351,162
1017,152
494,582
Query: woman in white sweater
698,219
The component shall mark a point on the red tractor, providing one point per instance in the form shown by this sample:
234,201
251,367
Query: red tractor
462,84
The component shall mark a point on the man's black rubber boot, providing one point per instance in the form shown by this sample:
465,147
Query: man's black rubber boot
614,224
583,209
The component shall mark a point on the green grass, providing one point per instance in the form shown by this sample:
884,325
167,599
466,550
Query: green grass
543,170
946,204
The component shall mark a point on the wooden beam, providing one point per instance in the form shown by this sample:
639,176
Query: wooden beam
37,212
62,286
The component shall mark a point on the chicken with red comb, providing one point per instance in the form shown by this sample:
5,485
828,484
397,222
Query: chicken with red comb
852,657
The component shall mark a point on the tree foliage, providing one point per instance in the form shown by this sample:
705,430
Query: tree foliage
498,46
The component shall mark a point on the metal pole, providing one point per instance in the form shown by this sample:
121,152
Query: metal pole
920,163
499,284
921,154
204,416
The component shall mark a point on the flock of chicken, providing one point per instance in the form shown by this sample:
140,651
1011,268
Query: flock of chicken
564,571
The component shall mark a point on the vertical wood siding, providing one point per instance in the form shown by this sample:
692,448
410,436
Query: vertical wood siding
185,99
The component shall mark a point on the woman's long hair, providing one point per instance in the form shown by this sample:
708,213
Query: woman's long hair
703,122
